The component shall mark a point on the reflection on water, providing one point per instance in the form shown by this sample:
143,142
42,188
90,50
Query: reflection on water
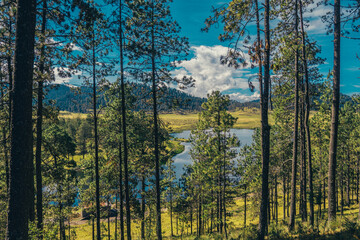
182,159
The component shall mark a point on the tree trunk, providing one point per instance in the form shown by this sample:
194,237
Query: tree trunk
143,207
39,115
284,197
21,123
334,115
265,129
95,119
307,116
124,127
296,124
156,132
121,196
245,202
116,218
199,216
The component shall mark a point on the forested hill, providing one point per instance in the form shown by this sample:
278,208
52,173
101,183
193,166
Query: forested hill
78,99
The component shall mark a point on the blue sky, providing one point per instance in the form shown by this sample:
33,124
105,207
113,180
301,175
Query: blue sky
204,62
205,68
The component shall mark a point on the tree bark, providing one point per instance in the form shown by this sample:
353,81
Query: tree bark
296,124
121,196
156,132
307,116
21,123
265,128
334,116
124,127
95,119
39,116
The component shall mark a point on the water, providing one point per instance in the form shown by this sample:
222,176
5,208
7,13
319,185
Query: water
184,158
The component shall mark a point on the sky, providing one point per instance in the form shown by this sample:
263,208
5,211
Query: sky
204,66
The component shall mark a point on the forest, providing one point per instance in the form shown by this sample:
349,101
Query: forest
130,153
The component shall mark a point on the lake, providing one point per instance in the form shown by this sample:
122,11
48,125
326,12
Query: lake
184,158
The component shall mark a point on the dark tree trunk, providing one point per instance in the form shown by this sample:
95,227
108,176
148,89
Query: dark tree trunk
245,206
265,128
171,212
284,197
143,207
307,116
296,124
95,119
276,200
108,218
156,133
39,116
121,195
21,162
334,115
124,127
342,192
348,180
116,218
303,200
199,216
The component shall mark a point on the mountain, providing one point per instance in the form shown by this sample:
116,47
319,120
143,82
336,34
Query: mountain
78,99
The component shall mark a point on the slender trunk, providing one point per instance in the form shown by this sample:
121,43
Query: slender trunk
124,127
303,199
108,218
358,184
284,197
143,207
21,162
307,116
116,218
245,205
156,131
121,196
93,228
265,129
191,219
171,211
199,215
296,124
276,200
342,193
334,115
348,180
39,114
95,119
224,186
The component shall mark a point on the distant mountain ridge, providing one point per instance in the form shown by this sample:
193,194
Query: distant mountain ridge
78,99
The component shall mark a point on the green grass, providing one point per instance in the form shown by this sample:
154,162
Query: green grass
248,118
346,226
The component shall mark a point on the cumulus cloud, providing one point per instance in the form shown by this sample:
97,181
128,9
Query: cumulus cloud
210,75
316,24
245,98
61,78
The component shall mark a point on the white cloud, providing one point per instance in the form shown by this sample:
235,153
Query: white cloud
245,98
316,24
210,75
61,78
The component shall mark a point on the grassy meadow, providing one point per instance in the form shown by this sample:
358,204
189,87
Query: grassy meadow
248,118
344,228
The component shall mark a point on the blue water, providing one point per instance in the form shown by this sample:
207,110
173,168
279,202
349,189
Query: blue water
184,158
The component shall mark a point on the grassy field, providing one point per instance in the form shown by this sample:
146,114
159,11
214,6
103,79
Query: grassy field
236,225
247,118
177,122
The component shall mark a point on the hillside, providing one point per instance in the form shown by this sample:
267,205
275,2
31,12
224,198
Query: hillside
78,99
